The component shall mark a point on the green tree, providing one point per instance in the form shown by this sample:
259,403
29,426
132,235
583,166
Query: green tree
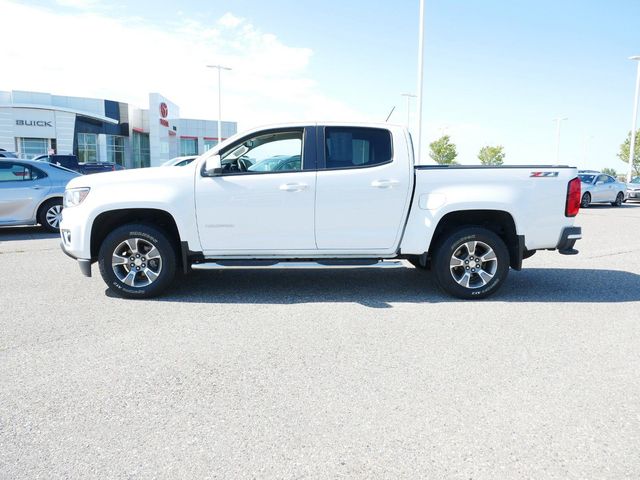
443,151
610,171
624,152
491,155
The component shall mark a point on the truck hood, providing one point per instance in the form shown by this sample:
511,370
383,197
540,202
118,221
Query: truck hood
137,175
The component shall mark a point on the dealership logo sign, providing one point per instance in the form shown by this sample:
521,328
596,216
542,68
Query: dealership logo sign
164,110
34,123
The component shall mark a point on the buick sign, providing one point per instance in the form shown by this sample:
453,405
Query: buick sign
34,123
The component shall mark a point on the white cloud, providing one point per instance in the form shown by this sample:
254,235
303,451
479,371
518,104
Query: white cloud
94,55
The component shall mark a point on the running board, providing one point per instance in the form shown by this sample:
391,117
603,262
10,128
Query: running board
277,264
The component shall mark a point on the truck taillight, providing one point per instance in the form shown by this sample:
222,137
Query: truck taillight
573,198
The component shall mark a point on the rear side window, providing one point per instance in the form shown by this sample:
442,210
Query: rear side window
357,147
11,172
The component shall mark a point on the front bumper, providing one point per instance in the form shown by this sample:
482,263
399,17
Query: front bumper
633,194
85,265
568,239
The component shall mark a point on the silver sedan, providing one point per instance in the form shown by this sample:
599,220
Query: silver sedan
31,192
601,188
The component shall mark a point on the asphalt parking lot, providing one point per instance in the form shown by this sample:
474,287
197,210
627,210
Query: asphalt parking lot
324,374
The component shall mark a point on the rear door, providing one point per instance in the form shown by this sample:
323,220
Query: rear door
22,189
363,189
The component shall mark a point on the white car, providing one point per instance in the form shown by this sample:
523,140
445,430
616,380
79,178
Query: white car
633,189
353,199
601,188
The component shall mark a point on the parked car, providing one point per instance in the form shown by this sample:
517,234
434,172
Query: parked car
6,154
601,188
633,189
71,162
179,161
31,192
356,200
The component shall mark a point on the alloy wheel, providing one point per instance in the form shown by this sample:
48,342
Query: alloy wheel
136,262
473,264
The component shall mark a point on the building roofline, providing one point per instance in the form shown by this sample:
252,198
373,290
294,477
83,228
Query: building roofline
62,109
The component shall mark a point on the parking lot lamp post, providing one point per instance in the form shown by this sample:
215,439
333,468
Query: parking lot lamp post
220,68
409,97
418,159
632,144
558,120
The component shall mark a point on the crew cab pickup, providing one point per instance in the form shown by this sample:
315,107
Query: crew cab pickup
71,162
335,195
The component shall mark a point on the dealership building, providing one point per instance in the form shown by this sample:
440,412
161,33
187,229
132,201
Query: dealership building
100,130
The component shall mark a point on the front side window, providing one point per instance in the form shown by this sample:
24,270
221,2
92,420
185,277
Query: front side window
347,147
14,172
115,149
87,147
265,153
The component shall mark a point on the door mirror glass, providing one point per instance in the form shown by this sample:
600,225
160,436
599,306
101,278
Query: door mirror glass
212,166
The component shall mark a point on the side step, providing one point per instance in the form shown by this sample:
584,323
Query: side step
277,264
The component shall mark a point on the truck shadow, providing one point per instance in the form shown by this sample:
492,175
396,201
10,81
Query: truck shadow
382,288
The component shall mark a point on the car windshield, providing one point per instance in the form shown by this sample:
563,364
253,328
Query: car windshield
636,180
586,178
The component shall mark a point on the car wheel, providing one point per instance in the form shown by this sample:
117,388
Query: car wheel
619,199
50,214
586,200
471,263
137,261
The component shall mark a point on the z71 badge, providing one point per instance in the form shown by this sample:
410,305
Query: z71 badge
544,174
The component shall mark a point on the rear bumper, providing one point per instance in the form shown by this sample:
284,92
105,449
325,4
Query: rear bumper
568,240
85,265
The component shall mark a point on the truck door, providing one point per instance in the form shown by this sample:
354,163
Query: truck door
363,189
264,200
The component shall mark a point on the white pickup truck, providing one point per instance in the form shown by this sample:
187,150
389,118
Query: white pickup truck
318,195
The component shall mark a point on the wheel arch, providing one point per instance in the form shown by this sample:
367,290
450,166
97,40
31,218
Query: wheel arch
107,221
498,221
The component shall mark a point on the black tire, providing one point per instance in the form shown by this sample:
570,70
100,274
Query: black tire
586,200
49,215
135,280
619,199
479,284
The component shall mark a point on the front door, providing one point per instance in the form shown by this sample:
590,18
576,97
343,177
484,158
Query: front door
264,200
363,190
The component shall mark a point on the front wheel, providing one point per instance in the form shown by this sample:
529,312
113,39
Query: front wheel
471,263
586,200
137,261
619,199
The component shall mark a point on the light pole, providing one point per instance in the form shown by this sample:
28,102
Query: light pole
409,97
420,72
220,68
632,144
558,120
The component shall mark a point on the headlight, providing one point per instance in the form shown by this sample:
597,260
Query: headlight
75,196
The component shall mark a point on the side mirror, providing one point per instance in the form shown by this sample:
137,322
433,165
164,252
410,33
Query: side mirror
213,167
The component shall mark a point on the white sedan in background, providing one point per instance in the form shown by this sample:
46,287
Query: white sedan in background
633,189
601,188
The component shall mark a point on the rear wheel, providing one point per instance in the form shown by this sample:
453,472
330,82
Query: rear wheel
137,261
619,199
471,263
586,200
50,214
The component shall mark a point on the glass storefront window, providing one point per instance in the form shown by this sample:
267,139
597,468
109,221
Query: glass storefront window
209,144
188,146
115,149
87,147
141,153
32,147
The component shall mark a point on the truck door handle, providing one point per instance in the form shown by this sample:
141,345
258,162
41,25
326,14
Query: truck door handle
384,183
293,187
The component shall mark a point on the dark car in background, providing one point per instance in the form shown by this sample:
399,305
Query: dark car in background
71,162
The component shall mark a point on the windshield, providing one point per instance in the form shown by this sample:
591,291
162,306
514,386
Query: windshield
587,178
636,180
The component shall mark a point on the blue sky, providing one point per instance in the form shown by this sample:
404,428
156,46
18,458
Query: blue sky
496,72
